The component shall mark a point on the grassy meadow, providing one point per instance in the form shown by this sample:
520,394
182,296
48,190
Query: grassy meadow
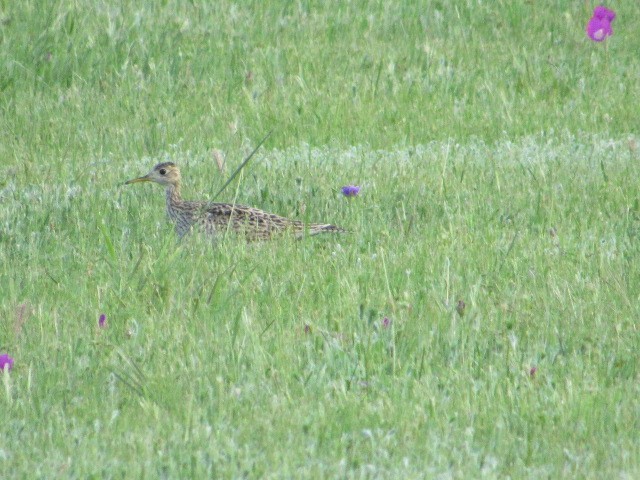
480,320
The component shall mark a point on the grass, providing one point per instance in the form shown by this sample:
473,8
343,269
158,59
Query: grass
496,148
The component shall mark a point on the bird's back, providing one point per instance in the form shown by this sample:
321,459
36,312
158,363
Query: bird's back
255,224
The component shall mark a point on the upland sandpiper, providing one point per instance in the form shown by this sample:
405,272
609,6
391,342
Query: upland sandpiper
218,218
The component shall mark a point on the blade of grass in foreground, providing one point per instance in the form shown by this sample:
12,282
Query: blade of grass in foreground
242,165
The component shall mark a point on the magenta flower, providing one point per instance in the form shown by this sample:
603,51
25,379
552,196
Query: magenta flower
350,190
386,322
599,25
102,321
532,371
6,362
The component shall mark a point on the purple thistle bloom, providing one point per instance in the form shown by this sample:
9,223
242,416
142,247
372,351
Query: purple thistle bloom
102,321
350,190
386,321
6,362
599,25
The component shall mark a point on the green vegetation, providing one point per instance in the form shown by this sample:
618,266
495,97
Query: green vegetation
496,147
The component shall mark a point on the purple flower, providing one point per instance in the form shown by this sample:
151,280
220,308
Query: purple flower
532,371
350,190
6,362
386,322
102,321
599,25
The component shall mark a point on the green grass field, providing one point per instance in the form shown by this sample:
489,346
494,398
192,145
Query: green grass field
496,147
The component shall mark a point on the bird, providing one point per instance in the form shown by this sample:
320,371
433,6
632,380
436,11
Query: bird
216,219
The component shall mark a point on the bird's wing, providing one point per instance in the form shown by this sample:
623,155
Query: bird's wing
252,222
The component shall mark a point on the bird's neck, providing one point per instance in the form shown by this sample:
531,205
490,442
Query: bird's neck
173,196
177,211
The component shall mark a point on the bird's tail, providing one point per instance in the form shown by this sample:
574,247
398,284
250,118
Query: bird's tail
317,228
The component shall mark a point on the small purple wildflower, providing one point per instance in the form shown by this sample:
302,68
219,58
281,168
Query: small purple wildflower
532,371
307,328
350,190
599,25
6,362
102,321
386,322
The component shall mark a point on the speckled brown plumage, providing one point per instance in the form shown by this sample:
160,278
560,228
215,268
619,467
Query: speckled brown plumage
219,218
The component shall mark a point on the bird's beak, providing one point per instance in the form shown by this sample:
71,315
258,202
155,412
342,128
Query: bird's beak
138,180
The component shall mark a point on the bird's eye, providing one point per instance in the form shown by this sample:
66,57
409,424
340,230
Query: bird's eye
162,171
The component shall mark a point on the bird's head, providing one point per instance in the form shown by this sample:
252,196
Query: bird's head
166,173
